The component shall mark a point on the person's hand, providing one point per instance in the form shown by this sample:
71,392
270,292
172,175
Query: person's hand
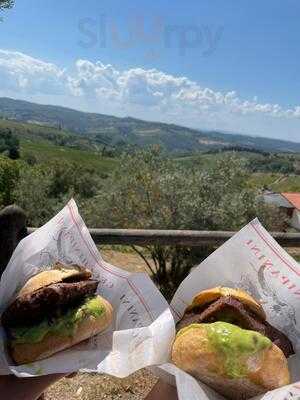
162,391
15,388
12,230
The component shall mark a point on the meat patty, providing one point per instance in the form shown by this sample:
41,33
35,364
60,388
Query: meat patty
229,309
33,307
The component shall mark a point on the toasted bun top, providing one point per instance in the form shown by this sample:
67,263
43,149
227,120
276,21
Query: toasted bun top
210,295
58,273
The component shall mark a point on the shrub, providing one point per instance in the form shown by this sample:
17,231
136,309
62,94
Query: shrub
149,191
45,188
9,144
9,175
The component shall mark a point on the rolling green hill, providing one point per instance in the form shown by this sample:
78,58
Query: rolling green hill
111,131
44,152
49,134
46,144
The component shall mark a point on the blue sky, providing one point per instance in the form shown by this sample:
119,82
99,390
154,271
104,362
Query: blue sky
225,65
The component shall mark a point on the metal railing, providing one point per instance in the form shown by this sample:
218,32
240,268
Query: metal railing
144,237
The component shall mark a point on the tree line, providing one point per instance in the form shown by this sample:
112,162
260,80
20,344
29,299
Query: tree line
148,190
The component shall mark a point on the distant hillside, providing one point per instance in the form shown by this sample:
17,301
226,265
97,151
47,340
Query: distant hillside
58,137
42,144
117,132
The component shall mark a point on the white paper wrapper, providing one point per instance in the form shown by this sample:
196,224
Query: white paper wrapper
254,261
143,327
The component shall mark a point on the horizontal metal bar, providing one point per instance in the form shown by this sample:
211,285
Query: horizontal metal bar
143,237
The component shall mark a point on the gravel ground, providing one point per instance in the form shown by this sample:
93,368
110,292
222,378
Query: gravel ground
98,387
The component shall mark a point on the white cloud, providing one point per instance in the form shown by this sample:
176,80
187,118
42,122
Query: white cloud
142,93
23,73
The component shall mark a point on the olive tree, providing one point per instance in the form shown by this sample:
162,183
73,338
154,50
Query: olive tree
150,191
32,193
43,189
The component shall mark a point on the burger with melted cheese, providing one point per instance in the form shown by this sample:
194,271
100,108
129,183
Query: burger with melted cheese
55,310
225,341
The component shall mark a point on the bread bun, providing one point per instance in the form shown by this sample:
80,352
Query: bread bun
89,326
194,353
58,273
210,295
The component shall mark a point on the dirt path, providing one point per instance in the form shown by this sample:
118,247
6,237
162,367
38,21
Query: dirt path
130,261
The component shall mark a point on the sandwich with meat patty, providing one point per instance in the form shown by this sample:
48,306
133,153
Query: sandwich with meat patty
55,310
225,341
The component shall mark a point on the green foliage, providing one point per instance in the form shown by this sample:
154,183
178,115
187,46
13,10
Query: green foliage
239,149
290,183
149,191
32,193
39,144
9,144
68,153
43,189
9,175
45,152
69,177
272,163
35,134
30,158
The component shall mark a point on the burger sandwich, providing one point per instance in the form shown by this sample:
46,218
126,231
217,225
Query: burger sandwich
225,341
55,310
